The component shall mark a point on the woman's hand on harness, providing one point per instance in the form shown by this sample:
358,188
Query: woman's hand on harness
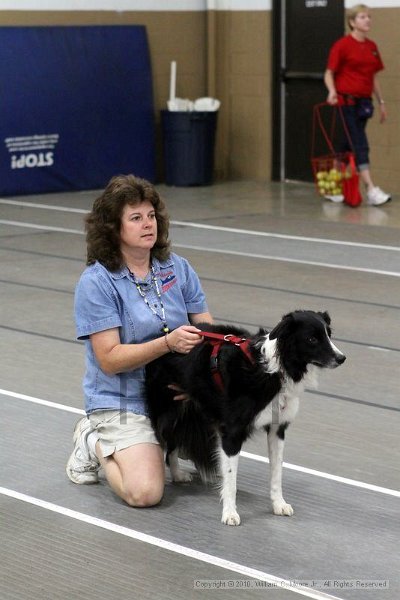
184,339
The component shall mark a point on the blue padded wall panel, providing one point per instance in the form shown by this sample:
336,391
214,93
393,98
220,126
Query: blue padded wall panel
76,107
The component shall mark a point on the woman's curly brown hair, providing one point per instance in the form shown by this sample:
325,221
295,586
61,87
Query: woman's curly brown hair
103,223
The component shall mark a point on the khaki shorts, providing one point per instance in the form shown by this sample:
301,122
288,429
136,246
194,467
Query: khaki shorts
118,430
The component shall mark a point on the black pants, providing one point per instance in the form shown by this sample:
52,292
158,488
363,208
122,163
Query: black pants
356,128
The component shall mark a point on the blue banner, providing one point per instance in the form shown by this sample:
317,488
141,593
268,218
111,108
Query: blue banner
76,107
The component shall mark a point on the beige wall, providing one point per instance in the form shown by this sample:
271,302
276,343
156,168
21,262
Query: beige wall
385,139
227,54
243,84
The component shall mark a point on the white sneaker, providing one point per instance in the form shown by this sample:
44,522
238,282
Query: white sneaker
82,465
376,196
335,198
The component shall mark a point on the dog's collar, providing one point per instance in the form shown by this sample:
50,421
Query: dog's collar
216,340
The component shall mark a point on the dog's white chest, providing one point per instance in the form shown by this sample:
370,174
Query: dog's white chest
288,408
282,409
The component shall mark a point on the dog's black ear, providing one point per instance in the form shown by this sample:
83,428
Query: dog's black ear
262,331
283,326
326,317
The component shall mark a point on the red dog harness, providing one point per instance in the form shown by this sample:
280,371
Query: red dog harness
216,340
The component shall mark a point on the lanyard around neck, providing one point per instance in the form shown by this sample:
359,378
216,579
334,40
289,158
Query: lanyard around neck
143,294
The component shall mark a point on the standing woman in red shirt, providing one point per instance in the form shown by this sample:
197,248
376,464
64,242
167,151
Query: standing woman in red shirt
351,79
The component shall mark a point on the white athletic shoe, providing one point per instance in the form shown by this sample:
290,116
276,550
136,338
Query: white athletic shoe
376,196
82,466
335,198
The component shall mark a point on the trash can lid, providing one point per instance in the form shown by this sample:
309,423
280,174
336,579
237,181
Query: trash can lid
207,104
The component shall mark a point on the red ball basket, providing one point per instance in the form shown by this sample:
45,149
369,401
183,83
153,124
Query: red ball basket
335,174
351,184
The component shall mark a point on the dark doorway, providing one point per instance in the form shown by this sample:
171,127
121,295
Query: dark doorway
303,32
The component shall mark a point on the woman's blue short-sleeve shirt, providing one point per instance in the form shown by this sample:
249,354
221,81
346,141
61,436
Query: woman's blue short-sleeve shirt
106,300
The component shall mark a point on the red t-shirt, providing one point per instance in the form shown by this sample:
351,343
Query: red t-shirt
354,65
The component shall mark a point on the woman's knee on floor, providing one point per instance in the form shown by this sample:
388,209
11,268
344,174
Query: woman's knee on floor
145,494
142,473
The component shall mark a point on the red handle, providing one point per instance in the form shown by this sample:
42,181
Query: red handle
317,119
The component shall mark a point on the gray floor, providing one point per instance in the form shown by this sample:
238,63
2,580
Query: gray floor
261,250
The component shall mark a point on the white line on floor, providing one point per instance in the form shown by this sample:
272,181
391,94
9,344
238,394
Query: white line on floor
44,206
219,251
43,227
283,236
248,455
289,260
337,478
170,546
216,227
47,403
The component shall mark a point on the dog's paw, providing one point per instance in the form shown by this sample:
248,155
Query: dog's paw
281,508
230,518
181,476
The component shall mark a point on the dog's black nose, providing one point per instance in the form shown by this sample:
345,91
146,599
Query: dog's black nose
341,359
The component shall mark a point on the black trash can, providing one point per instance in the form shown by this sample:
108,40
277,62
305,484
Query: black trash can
189,141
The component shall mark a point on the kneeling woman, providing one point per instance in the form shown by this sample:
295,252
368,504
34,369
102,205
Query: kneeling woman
134,302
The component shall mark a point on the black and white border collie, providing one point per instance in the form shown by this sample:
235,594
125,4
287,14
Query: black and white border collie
210,427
